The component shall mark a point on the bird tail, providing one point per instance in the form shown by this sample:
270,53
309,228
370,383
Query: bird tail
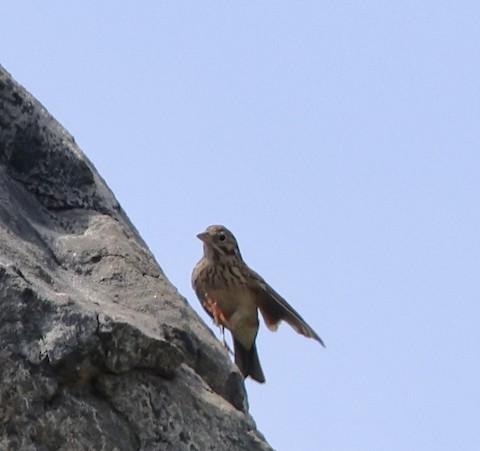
248,362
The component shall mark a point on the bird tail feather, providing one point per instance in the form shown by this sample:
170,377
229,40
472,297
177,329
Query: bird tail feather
248,362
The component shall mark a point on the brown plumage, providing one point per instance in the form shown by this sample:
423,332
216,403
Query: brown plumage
231,293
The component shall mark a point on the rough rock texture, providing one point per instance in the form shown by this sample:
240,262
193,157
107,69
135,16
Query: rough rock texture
97,349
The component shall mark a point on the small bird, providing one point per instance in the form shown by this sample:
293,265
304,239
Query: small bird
231,293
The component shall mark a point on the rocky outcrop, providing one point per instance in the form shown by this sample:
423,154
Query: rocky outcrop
97,349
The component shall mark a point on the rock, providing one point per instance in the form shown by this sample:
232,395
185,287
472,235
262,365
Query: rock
98,350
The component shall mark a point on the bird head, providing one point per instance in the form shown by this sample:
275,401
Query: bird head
219,243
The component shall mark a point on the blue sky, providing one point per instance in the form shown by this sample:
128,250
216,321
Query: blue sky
340,142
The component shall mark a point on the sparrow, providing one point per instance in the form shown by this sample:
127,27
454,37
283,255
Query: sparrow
232,293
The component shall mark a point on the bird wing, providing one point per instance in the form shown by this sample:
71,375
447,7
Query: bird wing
275,308
199,289
201,295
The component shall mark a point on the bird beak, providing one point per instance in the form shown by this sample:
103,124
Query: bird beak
204,236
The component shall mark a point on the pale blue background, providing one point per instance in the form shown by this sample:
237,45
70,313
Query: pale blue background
340,143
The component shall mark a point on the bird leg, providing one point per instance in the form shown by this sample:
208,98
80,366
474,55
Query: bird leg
218,318
224,341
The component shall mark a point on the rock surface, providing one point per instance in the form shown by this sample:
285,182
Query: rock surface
98,350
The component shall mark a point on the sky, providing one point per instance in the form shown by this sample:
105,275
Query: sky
340,142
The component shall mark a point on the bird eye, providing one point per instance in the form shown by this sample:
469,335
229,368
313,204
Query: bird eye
222,237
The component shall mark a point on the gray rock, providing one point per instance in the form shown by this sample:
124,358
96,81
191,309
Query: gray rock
98,350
